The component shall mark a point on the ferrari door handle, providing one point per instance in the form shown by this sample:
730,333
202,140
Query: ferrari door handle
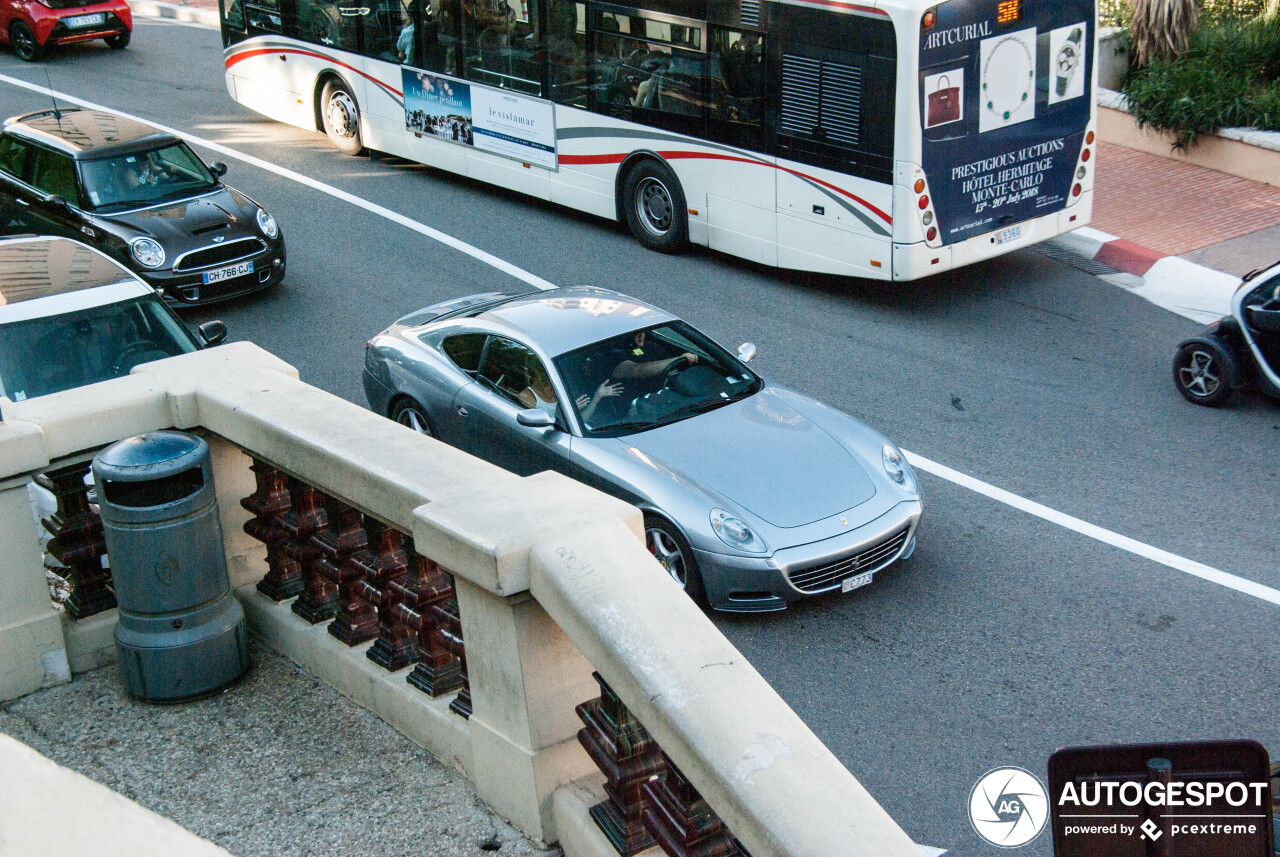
462,411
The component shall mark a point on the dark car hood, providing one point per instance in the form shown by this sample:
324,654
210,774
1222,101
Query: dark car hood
764,456
194,222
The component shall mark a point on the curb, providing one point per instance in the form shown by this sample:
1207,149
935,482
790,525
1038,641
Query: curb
1190,290
175,12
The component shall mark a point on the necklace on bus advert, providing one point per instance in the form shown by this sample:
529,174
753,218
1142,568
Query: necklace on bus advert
1014,64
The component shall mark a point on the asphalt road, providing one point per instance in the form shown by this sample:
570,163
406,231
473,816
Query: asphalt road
1005,636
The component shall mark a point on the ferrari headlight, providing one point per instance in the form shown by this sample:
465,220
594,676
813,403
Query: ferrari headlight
267,224
896,466
736,534
148,253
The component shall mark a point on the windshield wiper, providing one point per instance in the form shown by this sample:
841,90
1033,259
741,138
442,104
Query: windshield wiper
638,425
693,408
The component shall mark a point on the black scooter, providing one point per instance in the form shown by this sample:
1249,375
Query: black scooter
1235,349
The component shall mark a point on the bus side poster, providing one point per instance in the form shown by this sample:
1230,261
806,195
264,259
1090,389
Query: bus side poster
492,120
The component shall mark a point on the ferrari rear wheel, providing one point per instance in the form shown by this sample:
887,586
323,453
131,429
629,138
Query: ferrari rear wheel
673,553
410,414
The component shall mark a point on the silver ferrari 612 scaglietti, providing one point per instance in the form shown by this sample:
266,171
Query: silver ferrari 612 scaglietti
753,495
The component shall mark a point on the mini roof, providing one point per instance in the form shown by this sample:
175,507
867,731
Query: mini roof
32,268
85,134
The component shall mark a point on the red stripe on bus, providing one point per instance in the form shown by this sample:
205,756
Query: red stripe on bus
257,52
671,156
835,4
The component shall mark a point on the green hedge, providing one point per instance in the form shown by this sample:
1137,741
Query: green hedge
1229,77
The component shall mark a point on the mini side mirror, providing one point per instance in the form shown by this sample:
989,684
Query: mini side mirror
57,202
213,333
535,418
747,352
218,168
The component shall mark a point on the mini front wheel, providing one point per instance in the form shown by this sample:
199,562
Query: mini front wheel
118,42
1202,371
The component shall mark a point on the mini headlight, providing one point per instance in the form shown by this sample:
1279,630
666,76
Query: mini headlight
267,224
896,466
736,534
148,253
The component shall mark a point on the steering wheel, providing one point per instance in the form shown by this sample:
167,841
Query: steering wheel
673,370
121,364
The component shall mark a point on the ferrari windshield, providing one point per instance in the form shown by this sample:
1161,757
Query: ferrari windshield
144,178
648,378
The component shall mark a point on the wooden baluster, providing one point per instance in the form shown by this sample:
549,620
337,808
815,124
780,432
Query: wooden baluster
681,822
283,579
397,644
78,544
318,600
345,538
449,632
438,672
629,757
375,566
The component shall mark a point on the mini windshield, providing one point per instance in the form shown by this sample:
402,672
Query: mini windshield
54,353
648,378
144,178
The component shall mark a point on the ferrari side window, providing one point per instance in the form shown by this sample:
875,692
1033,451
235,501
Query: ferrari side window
464,349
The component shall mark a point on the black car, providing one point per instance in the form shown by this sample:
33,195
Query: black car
142,197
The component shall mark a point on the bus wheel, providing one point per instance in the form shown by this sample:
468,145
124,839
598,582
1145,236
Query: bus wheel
341,117
655,207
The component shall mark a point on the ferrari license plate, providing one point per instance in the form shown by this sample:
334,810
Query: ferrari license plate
228,273
1004,236
853,583
95,20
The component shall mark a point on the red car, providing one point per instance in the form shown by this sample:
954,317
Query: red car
33,25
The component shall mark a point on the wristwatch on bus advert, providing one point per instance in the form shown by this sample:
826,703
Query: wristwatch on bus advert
1069,59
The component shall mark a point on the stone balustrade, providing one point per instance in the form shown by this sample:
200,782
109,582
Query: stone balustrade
515,627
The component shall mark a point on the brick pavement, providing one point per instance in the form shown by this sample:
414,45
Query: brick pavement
1173,207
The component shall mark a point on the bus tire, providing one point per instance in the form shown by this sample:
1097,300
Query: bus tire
655,208
341,117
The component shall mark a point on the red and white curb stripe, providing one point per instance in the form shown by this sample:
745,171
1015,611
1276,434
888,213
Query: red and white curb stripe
1190,290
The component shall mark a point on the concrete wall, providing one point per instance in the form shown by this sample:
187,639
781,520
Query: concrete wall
552,581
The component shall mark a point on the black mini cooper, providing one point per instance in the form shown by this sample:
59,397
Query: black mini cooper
142,197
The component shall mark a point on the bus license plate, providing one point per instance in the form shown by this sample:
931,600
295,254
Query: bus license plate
228,272
94,20
1004,236
853,583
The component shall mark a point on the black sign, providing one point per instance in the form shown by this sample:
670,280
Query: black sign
1202,799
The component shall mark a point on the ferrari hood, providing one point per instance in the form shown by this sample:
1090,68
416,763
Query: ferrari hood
764,456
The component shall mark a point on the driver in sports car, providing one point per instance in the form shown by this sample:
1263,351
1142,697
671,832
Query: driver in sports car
634,367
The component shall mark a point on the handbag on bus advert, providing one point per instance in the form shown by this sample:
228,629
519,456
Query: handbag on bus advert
944,103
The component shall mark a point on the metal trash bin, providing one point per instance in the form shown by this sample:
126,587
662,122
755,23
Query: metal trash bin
181,633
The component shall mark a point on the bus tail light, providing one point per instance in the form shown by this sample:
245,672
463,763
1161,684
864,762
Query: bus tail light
929,19
932,233
1085,155
1075,191
919,186
1089,138
924,203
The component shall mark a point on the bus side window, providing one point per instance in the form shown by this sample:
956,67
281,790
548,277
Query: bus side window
736,88
264,15
389,31
322,23
503,44
232,14
567,51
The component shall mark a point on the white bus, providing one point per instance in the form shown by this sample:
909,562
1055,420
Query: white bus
888,139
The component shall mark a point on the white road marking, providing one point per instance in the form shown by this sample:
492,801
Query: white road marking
1187,566
1093,531
373,208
